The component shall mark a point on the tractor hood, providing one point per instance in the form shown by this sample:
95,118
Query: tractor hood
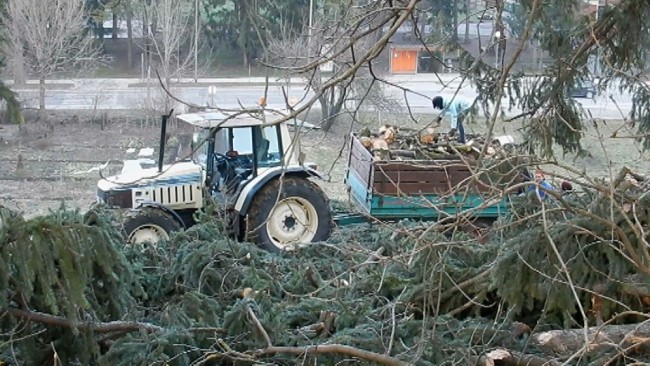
133,176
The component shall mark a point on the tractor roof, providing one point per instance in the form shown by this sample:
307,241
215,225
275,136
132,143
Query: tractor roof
210,119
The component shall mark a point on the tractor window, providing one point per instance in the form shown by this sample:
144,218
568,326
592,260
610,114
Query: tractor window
200,146
272,156
221,145
268,145
242,140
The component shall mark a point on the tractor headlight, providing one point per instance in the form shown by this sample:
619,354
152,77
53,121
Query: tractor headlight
115,198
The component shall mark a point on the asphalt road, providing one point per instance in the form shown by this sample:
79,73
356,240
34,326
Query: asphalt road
231,93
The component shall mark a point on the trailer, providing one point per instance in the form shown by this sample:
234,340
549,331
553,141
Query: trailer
423,190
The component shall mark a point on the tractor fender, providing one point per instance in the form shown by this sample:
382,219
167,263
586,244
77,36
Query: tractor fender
164,208
246,196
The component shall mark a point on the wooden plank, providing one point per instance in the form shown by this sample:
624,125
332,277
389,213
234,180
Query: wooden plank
360,162
361,177
440,180
358,191
442,186
416,189
409,188
359,150
448,165
365,164
414,176
360,168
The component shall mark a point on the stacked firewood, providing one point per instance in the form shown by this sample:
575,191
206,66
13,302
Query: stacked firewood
396,143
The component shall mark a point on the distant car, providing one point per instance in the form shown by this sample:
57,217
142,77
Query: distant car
488,15
583,89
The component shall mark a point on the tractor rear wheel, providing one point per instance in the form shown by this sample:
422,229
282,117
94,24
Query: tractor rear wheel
287,212
148,225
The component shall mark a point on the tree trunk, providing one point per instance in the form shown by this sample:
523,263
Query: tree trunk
115,27
331,105
466,21
325,113
147,40
423,25
129,34
243,29
19,68
100,30
454,35
500,27
41,98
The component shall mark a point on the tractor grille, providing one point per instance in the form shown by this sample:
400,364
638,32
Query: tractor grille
174,194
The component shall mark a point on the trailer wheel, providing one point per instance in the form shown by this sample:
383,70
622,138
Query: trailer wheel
299,214
148,225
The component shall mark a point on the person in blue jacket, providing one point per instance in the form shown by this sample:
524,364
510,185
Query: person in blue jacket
540,181
457,110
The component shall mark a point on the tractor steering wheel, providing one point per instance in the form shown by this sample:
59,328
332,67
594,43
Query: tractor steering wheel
219,157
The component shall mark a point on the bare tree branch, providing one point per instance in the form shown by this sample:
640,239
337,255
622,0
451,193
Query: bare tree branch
334,348
98,327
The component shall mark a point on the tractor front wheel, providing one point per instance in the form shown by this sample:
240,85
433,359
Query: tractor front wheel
149,225
289,211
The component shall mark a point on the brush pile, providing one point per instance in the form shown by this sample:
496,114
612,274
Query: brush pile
73,293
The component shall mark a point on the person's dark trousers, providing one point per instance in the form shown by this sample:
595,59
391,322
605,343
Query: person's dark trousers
461,128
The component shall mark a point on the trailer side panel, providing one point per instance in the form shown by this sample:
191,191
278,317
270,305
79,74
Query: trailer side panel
425,190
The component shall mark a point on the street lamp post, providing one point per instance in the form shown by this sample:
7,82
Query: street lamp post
196,41
311,20
497,35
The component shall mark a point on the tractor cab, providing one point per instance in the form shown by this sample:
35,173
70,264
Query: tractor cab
234,149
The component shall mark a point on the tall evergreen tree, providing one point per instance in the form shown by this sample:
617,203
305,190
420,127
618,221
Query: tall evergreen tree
13,114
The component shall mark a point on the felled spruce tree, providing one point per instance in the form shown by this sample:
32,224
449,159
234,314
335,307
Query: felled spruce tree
59,278
586,250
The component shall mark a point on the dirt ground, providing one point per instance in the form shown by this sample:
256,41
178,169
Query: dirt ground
42,168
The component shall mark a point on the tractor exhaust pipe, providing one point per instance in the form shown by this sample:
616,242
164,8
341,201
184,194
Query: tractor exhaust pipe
163,132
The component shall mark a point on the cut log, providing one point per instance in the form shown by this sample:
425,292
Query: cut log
388,133
501,356
426,144
380,149
403,154
428,136
566,342
366,142
379,144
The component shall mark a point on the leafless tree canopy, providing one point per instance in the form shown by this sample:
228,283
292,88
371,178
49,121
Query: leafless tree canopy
330,55
50,35
172,39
